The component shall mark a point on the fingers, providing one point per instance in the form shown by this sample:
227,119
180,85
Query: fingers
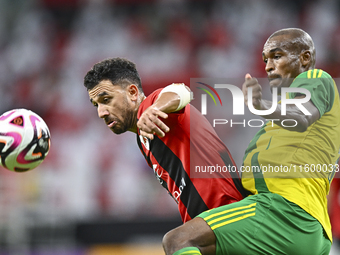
250,81
150,136
161,114
150,124
252,84
156,127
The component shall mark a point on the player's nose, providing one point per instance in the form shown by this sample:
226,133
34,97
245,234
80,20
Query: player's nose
269,66
102,111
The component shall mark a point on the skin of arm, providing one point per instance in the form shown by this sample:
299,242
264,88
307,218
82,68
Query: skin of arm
303,121
150,123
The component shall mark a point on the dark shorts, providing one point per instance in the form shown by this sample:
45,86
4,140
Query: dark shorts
266,223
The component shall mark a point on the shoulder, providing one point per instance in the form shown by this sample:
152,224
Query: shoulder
322,88
314,78
149,100
314,74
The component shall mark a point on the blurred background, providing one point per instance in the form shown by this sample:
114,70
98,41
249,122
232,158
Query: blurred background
94,193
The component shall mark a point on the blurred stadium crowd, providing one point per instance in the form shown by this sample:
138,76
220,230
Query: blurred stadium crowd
47,46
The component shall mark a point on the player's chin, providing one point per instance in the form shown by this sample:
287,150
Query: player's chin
118,130
275,83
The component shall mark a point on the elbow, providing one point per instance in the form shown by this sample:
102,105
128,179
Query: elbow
301,125
300,128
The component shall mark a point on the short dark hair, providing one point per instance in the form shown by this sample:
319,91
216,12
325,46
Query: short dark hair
119,71
300,41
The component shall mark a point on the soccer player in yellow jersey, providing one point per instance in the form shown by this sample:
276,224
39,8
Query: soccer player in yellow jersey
288,165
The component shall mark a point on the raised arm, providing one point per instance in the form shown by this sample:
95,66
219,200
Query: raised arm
171,99
292,111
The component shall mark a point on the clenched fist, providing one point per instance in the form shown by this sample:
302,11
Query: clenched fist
256,91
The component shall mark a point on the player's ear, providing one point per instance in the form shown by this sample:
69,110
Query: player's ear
133,92
305,58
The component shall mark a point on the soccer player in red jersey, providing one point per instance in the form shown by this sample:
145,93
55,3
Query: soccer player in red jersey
162,123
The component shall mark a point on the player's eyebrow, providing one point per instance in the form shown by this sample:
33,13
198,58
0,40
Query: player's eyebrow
104,93
273,50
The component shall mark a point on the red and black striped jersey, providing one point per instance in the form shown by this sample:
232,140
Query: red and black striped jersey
191,145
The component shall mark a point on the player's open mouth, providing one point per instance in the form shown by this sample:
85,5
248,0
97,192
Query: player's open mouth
274,80
111,124
273,77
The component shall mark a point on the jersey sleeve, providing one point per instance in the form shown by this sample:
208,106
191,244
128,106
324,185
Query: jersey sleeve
321,87
173,118
150,100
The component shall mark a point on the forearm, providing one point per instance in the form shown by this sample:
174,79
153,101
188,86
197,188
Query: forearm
167,102
294,119
173,98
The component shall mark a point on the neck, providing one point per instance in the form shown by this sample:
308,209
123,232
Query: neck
134,124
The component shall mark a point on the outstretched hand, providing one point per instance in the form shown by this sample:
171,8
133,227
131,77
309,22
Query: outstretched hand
256,91
150,123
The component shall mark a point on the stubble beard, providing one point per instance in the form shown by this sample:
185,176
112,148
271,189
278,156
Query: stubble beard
129,119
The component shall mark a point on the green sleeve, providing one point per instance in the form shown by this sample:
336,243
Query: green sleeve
321,89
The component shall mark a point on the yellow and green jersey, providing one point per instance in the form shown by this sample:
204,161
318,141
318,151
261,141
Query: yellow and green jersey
299,165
